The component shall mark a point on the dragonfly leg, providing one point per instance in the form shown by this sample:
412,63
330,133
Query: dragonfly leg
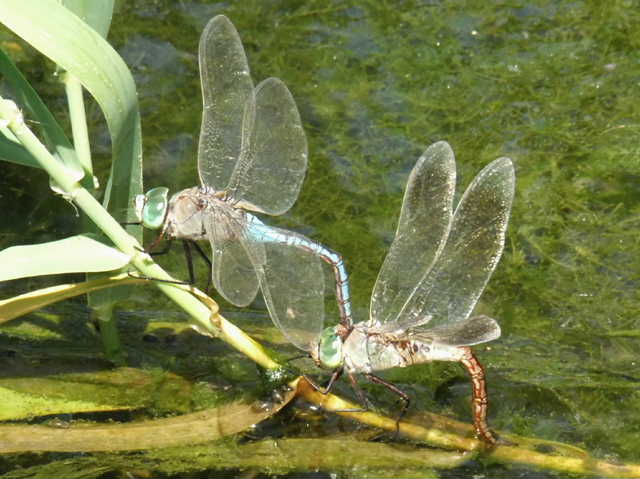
360,393
480,401
395,389
169,281
361,396
158,253
187,254
207,260
334,377
297,356
155,243
186,244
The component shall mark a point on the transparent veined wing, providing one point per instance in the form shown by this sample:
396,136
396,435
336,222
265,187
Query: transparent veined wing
234,258
226,87
273,160
450,290
475,330
292,283
422,230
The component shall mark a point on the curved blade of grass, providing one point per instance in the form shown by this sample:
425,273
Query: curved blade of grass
76,254
81,50
25,303
52,132
353,457
14,152
343,455
447,433
187,429
98,16
95,14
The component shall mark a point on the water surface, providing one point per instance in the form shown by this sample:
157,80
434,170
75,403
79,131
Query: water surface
551,85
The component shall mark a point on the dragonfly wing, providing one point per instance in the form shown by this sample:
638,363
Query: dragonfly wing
226,86
292,282
422,230
235,259
449,292
271,168
475,330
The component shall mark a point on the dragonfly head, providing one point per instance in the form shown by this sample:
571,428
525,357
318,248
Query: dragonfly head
328,353
151,208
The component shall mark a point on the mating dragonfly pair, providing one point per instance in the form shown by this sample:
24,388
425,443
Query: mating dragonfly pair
252,157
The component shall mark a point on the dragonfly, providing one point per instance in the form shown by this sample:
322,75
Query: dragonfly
252,158
434,273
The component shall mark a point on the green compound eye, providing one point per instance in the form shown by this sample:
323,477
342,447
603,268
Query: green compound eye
154,208
330,349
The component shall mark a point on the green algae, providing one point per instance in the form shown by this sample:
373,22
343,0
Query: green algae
552,85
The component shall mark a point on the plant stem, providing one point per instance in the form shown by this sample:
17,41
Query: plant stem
204,317
101,306
109,332
447,433
78,118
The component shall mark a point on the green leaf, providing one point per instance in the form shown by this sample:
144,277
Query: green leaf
77,254
14,152
25,303
96,14
79,49
27,98
186,429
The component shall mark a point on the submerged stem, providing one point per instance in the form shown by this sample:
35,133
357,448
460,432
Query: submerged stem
451,434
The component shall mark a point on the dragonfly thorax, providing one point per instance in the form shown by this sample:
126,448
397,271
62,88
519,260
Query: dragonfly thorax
193,211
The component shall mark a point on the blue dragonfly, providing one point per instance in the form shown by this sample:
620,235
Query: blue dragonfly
252,158
437,267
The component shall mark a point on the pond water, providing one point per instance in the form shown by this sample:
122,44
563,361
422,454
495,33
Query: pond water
552,85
